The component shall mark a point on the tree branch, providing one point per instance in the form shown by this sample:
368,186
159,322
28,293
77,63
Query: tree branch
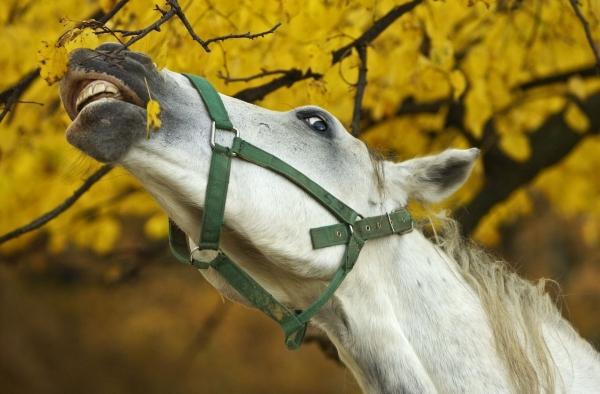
249,95
264,73
288,79
588,32
109,15
584,72
408,106
361,84
549,144
175,10
10,96
45,218
375,30
155,26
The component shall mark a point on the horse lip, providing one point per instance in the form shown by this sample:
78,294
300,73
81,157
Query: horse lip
78,79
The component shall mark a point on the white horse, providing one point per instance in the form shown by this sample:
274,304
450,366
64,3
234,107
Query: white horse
413,316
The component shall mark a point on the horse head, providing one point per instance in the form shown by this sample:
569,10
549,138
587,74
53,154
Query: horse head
267,218
383,320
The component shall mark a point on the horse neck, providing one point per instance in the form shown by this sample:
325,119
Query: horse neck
406,321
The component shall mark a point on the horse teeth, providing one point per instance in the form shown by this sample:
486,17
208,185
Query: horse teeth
95,88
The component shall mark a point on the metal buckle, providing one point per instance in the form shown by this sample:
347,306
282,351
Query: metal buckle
390,221
213,131
192,252
412,225
197,249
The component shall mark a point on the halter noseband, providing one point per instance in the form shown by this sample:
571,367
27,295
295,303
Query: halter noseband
353,230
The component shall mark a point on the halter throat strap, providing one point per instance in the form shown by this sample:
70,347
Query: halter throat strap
352,230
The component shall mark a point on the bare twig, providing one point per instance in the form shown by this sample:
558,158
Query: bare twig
375,30
248,35
175,10
108,16
205,43
155,26
11,96
264,73
360,44
360,89
45,218
588,32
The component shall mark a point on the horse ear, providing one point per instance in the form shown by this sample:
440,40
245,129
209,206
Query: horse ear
433,178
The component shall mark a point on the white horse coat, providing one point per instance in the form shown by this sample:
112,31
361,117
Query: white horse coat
413,316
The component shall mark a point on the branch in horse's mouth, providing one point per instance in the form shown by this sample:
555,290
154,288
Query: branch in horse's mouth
95,90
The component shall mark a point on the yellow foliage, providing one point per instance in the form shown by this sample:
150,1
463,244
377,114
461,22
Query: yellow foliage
107,5
156,226
516,146
53,62
577,87
152,116
505,212
81,38
468,51
576,119
458,82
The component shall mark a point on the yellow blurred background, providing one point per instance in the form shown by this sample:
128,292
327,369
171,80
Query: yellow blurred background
93,302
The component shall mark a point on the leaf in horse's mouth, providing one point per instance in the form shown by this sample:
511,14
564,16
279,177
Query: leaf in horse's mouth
96,90
152,117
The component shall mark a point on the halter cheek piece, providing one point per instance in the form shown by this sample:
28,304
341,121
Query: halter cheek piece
353,230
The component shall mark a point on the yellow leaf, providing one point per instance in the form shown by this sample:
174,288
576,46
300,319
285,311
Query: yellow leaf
153,116
442,54
107,233
576,87
81,38
458,82
156,227
53,62
516,146
576,119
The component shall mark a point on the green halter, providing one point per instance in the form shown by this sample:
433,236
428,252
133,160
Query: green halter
353,230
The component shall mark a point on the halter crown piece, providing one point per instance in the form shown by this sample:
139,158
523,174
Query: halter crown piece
352,231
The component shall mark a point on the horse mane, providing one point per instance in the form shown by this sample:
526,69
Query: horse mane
515,307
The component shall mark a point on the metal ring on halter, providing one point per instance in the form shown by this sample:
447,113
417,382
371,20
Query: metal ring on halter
213,131
390,221
192,252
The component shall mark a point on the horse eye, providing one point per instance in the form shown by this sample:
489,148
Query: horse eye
316,123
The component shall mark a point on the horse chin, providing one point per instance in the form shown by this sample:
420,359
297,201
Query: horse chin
105,129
